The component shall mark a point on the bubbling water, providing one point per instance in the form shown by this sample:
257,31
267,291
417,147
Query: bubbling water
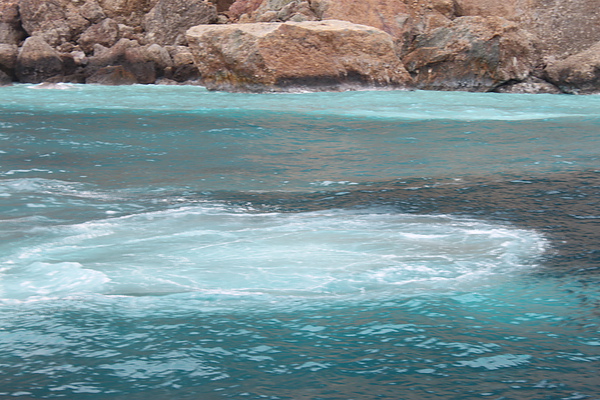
212,249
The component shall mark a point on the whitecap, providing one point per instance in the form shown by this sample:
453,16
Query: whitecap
212,250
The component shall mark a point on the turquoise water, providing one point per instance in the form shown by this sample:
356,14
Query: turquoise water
165,242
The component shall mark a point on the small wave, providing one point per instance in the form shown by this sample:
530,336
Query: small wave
53,86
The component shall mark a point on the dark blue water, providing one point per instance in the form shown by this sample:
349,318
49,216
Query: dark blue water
174,243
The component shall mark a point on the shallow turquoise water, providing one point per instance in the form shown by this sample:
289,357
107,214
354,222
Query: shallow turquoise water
170,242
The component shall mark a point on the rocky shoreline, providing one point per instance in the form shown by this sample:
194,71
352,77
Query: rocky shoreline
516,46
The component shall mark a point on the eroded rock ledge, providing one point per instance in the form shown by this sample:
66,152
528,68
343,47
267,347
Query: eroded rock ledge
271,45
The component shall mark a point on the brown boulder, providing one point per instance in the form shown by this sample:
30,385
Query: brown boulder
127,54
92,11
168,21
324,55
471,54
105,33
577,74
159,56
183,68
37,61
57,21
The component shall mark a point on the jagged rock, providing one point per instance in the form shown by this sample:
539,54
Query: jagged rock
168,21
37,61
243,7
159,55
183,68
390,16
128,12
471,54
8,58
128,54
281,11
314,55
579,73
112,75
5,80
10,23
562,28
92,11
105,33
56,21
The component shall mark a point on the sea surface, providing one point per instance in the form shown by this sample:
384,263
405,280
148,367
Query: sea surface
167,242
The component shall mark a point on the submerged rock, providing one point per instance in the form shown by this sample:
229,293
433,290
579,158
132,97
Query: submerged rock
325,55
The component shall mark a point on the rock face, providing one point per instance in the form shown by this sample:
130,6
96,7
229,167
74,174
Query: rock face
329,55
471,53
168,21
579,73
477,45
55,21
11,31
562,28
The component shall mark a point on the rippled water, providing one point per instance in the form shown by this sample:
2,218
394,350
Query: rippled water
174,243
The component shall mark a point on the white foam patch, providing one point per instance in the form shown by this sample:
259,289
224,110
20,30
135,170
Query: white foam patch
41,279
497,362
219,251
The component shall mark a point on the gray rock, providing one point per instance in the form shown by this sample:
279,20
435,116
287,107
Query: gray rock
579,73
10,23
4,79
57,21
127,54
92,11
168,21
531,85
37,61
105,33
159,55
